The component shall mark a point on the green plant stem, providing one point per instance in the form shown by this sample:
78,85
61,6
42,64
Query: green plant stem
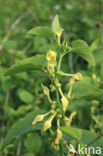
64,74
94,140
57,95
61,151
59,64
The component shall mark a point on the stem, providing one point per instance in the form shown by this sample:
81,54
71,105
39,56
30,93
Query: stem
61,151
94,140
59,41
60,59
64,74
19,148
57,95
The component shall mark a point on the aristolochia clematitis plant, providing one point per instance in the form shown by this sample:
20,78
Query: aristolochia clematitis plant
60,103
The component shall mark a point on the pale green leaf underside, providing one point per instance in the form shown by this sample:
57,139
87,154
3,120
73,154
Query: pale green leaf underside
22,126
82,49
42,31
26,65
55,24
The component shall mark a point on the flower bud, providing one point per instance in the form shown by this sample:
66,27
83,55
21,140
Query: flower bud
51,58
59,32
69,120
59,116
65,103
78,76
59,136
56,147
72,80
47,123
52,87
39,118
45,90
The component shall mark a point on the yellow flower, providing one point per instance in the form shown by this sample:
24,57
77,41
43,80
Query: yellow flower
65,103
72,115
78,76
59,136
59,32
51,58
69,120
45,90
56,147
95,102
48,123
52,87
39,118
72,80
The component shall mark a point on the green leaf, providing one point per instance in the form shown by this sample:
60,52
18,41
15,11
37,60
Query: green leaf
25,96
29,64
22,126
42,31
78,104
96,45
84,136
82,49
98,55
33,143
55,24
73,132
82,89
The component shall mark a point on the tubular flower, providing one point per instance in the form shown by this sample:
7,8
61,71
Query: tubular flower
48,123
45,90
56,147
39,118
69,120
51,58
59,32
52,87
65,103
72,81
78,76
59,136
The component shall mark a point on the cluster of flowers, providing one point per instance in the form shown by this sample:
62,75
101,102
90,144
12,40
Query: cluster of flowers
56,110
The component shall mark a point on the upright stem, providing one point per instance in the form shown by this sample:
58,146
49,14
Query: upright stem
57,95
61,151
60,59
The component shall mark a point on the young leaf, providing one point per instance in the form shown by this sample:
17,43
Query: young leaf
29,64
55,24
42,31
82,49
22,126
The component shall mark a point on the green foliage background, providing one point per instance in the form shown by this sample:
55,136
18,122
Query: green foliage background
22,93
